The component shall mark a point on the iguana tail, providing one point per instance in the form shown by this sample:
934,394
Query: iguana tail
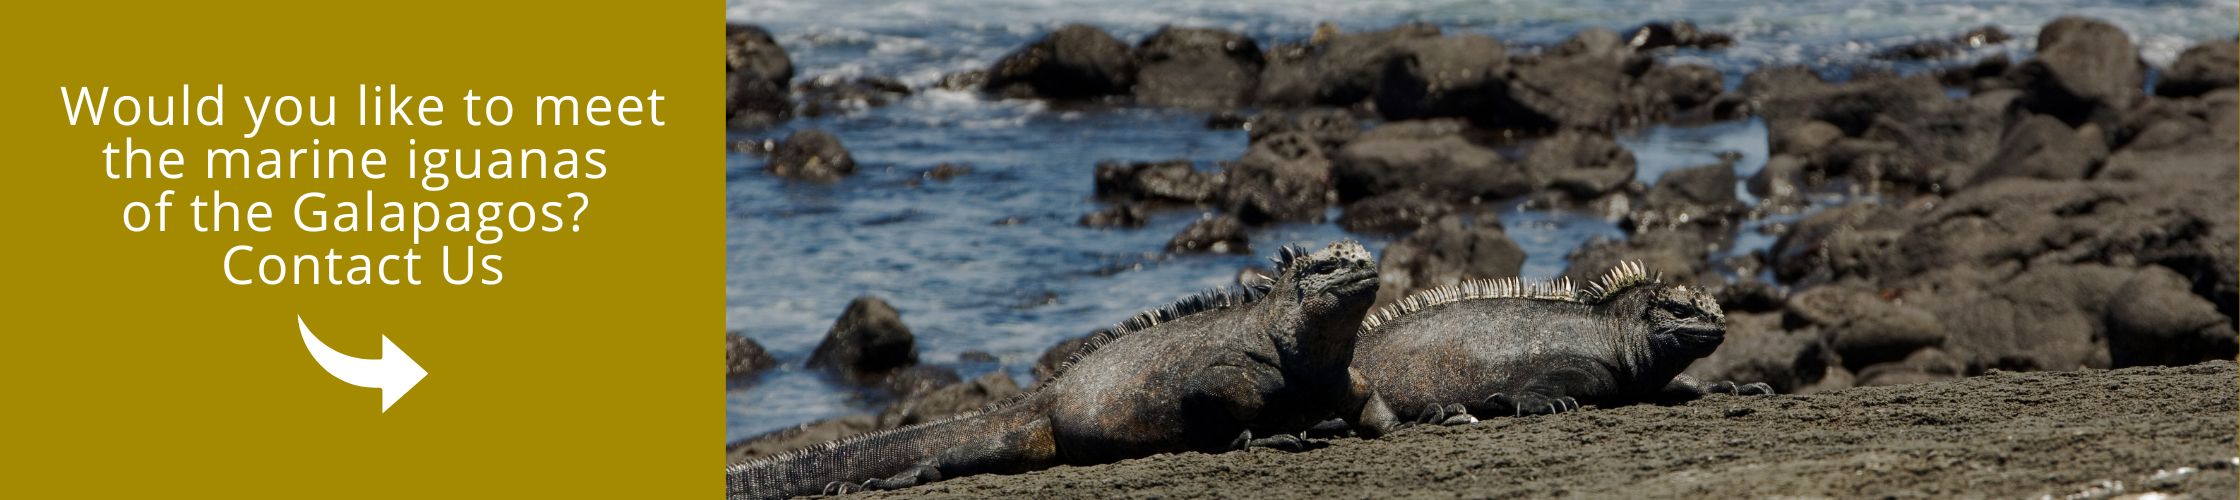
974,440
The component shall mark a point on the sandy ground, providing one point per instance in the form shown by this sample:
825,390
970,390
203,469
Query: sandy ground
2087,434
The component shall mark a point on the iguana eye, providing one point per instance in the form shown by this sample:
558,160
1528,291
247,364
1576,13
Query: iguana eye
1680,311
1325,267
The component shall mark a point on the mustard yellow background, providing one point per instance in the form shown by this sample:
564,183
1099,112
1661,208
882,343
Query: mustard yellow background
133,369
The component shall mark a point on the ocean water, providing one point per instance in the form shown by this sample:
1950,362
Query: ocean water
993,261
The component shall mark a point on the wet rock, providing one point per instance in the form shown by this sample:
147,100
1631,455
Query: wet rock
1871,165
1554,92
1212,234
1838,242
1197,68
1757,349
1428,157
1806,138
1593,42
1863,327
977,356
1778,79
2046,315
1073,63
1986,74
751,49
1336,69
1980,37
1398,212
1168,181
811,155
743,358
963,81
1580,163
1751,295
1779,179
1416,129
1654,36
1690,198
1931,149
757,75
2186,225
1683,86
2086,70
867,344
1127,215
2165,134
1681,256
1227,120
917,380
2203,68
1442,77
2159,321
2043,147
947,171
827,96
2183,145
949,400
1283,177
1790,97
2060,317
2167,123
1445,252
1330,128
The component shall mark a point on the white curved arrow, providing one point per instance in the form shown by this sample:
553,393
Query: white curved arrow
395,373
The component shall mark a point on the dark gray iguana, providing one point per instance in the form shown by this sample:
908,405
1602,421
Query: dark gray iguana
1206,374
1511,347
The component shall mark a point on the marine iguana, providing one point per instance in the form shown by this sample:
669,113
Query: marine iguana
1207,373
1511,347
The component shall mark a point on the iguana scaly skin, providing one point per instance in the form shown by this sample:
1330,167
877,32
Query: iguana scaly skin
1511,347
1206,374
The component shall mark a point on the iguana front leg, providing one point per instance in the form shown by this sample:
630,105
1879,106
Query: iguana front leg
1684,388
1365,409
1030,447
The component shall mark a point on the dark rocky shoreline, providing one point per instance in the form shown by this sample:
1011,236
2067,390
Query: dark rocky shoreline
2087,434
2051,213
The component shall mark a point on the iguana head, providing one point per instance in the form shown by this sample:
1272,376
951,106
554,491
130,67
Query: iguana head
1328,292
1684,322
1338,279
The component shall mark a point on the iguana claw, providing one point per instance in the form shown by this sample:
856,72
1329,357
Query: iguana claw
1750,389
1458,415
1529,403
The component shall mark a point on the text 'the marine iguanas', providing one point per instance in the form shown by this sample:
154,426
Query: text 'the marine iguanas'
1506,347
1206,374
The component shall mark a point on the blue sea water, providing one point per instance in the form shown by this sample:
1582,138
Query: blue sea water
993,261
